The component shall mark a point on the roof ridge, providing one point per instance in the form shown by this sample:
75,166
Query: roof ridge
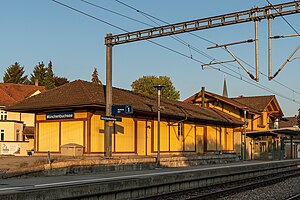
256,96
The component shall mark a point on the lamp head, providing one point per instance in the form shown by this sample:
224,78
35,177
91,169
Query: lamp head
159,87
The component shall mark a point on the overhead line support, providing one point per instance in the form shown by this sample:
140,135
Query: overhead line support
172,29
210,22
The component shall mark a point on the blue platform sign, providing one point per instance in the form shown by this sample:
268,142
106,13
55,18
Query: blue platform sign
111,118
122,109
60,115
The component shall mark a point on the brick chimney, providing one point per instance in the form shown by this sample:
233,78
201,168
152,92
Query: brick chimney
36,82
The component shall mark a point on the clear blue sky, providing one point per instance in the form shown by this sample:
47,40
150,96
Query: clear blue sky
33,31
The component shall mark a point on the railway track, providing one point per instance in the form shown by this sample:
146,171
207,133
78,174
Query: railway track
227,189
193,183
295,197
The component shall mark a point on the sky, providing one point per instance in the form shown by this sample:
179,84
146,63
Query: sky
34,31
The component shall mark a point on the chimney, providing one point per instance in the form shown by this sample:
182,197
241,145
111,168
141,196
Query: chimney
203,97
225,93
36,82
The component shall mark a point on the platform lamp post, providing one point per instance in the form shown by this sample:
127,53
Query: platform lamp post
244,133
159,89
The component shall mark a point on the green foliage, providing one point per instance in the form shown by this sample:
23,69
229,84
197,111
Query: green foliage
49,79
298,118
145,85
15,74
39,73
60,81
95,78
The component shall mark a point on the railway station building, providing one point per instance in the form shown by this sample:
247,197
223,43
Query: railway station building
261,116
71,115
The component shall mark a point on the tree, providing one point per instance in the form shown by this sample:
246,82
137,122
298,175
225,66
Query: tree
298,121
145,85
49,79
95,78
39,74
15,74
60,81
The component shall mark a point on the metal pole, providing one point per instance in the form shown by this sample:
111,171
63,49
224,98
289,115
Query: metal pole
158,128
245,124
291,147
159,88
107,133
270,44
237,60
256,48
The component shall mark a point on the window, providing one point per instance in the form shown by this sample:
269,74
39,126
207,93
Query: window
3,115
2,135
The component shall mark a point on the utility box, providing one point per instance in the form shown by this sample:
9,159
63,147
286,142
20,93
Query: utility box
71,149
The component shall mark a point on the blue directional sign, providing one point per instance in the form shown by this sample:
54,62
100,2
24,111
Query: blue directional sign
111,118
122,109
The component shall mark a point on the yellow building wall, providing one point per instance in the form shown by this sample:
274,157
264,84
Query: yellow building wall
13,116
230,139
226,109
97,134
189,137
40,117
211,138
144,137
176,142
199,139
10,130
218,138
164,136
28,119
72,132
223,137
237,143
261,124
124,138
48,136
80,115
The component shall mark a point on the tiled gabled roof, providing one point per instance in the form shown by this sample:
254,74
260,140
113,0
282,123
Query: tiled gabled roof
86,94
288,122
230,101
11,93
258,102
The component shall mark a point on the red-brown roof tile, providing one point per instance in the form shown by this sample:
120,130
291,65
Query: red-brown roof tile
230,101
11,93
257,102
288,122
86,94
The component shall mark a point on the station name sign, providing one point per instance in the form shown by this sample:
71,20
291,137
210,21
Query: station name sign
60,115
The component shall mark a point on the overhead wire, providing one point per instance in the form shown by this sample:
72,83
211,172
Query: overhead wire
88,15
207,40
290,25
170,49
